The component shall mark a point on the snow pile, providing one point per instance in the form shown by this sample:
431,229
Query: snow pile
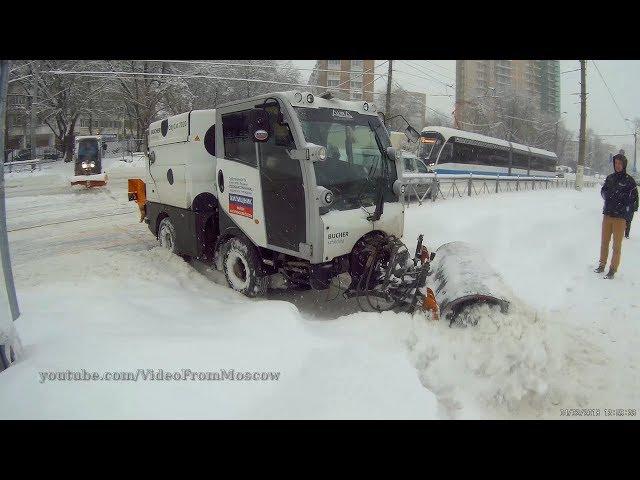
517,364
571,338
123,311
95,293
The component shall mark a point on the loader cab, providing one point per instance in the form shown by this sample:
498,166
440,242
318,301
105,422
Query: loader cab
88,154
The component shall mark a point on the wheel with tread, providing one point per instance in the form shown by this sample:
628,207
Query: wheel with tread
167,234
242,267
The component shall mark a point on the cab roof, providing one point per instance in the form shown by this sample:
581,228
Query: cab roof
299,98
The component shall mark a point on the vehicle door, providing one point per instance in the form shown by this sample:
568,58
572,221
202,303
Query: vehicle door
260,188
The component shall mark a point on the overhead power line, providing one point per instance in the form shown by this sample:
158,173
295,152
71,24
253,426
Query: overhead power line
610,92
431,78
253,65
123,74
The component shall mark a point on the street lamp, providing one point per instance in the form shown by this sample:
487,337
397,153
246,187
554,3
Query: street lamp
635,143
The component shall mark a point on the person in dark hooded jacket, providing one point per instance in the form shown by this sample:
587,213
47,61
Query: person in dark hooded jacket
620,194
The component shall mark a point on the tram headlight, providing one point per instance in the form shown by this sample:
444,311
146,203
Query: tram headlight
84,165
92,164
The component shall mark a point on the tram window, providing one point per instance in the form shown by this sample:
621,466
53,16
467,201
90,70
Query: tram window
492,158
542,164
463,153
520,160
447,153
536,164
428,147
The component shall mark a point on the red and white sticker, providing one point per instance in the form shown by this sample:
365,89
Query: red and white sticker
241,205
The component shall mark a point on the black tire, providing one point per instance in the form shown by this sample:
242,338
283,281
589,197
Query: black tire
243,268
7,357
167,234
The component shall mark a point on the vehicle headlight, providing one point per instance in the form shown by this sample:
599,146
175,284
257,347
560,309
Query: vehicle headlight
325,196
322,153
84,165
92,164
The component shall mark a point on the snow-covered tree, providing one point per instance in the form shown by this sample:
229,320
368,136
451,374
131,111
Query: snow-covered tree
406,104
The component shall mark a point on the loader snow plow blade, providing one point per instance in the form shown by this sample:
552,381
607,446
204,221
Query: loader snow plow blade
461,278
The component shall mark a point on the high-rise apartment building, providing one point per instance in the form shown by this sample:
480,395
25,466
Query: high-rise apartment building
537,80
352,79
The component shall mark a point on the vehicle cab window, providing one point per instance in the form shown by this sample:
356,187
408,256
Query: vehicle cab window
238,144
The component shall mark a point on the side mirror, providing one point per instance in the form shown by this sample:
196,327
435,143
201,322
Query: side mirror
259,125
398,188
152,158
104,146
394,154
412,133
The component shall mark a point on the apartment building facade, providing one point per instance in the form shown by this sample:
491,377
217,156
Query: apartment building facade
352,79
537,80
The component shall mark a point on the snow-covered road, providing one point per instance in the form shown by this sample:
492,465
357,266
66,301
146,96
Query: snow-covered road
97,294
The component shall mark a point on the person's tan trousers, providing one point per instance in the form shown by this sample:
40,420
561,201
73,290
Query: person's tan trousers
611,226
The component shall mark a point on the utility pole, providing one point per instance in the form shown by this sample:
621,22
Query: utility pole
10,346
389,78
583,125
34,116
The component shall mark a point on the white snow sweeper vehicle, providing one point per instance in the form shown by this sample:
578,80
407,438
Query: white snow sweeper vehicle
296,189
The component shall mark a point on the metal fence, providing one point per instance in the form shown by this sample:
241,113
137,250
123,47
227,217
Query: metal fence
433,186
31,165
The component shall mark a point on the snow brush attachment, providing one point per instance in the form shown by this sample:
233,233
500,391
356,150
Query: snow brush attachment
138,193
463,278
384,277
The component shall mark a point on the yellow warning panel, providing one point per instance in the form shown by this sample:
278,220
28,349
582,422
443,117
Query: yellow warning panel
197,139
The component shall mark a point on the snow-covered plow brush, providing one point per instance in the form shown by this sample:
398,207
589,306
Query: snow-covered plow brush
445,282
462,278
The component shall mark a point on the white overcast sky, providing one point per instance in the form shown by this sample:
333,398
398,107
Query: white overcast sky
603,117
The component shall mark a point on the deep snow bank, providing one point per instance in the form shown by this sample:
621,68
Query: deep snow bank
571,338
122,311
94,297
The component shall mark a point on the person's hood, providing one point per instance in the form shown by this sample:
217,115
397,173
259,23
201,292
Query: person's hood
624,163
